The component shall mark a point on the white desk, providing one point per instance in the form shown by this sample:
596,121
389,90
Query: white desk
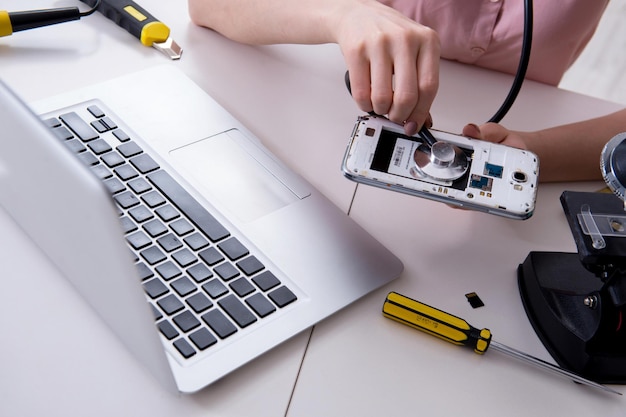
360,363
357,363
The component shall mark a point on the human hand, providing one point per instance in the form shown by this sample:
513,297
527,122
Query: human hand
393,63
496,133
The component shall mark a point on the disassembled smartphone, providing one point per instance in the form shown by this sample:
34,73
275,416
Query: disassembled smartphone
452,169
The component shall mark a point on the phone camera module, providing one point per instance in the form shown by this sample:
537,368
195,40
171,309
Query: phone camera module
519,176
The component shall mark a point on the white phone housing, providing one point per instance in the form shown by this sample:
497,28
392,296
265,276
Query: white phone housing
499,179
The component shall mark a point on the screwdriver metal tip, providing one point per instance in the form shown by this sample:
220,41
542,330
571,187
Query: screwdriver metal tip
170,48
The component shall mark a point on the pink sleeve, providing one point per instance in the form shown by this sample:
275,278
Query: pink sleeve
488,33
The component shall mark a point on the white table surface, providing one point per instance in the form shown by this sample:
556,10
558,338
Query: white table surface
357,362
360,363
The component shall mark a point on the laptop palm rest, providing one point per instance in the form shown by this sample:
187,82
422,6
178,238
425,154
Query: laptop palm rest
243,178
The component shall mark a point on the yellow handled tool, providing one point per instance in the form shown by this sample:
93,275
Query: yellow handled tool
456,330
11,22
139,23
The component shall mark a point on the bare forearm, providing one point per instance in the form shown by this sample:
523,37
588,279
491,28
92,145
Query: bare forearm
572,152
270,21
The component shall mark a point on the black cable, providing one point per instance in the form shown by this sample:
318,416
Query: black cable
92,10
523,63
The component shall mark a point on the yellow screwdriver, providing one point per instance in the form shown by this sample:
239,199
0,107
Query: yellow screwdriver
456,330
140,23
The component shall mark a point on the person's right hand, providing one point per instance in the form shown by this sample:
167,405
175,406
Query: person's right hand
393,62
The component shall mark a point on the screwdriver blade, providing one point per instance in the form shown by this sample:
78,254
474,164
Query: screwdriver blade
169,47
525,357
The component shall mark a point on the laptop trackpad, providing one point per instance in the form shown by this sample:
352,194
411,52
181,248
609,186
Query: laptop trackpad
239,174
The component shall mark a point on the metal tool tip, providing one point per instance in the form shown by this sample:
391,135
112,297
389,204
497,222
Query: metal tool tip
170,48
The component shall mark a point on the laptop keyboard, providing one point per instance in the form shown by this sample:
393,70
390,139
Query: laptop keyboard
204,284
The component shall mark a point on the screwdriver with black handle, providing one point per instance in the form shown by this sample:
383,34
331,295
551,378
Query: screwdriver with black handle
125,13
140,23
457,331
11,22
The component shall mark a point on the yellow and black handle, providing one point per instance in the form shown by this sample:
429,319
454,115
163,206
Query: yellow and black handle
135,19
11,22
435,322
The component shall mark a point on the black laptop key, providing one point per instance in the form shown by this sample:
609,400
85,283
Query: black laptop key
260,305
139,185
168,270
153,255
144,163
199,272
219,323
169,242
138,240
211,256
282,296
226,271
140,214
155,228
110,124
155,288
129,149
62,133
186,321
114,185
88,158
99,126
250,265
242,287
188,205
101,171
233,248
121,135
196,241
126,200
95,111
181,227
184,348
184,257
167,213
112,159
199,302
99,146
202,338
215,288
170,304
153,199
266,281
183,286
126,172
168,330
75,145
237,310
52,122
79,126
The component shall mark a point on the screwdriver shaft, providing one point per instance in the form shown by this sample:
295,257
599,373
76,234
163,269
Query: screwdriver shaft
525,357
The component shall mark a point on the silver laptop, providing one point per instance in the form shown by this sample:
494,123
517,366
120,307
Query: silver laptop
196,245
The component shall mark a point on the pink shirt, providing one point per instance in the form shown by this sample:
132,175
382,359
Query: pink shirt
488,33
